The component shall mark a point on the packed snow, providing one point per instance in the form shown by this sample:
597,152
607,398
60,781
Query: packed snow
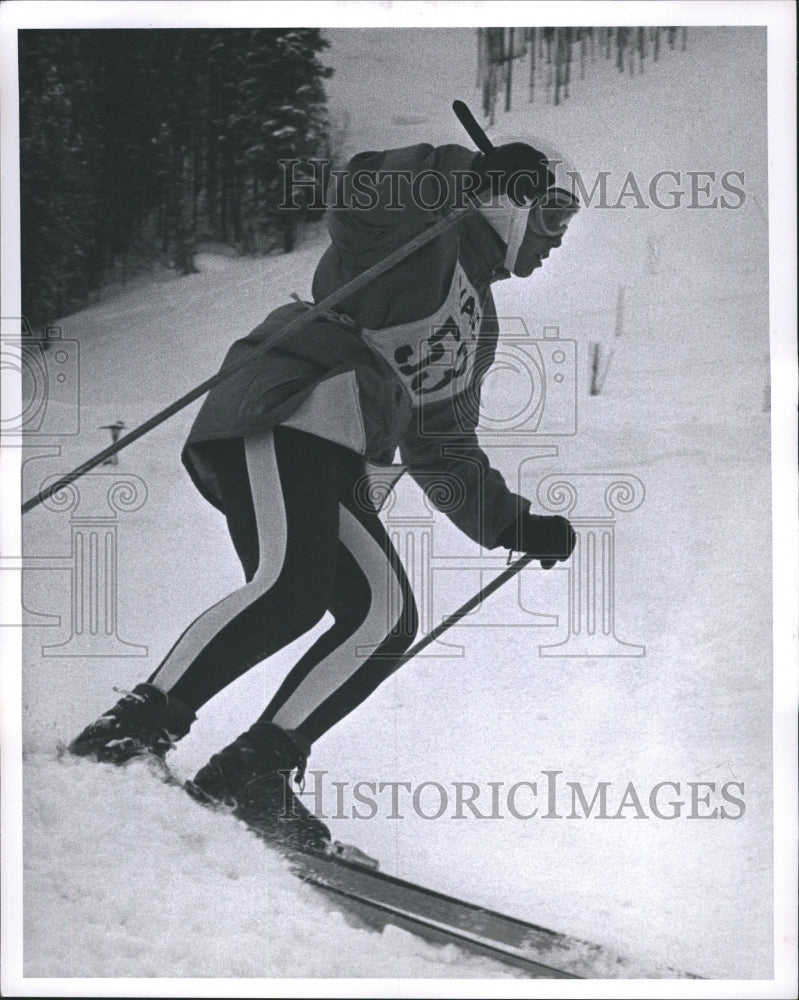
126,877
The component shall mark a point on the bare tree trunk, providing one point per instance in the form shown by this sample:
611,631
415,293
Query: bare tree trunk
499,60
567,60
509,80
558,63
491,92
212,182
582,53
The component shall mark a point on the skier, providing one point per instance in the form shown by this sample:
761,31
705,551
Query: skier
281,449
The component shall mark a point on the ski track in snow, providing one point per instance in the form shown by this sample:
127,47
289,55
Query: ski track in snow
125,877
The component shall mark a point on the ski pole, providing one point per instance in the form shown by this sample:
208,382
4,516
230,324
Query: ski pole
464,609
296,324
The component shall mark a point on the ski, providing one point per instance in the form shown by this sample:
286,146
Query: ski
377,900
350,880
352,883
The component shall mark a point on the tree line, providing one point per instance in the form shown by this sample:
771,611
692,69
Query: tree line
552,51
142,142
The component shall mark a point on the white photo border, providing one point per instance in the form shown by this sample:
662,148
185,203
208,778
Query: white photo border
779,18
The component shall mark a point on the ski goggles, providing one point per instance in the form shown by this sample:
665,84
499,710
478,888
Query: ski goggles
547,217
551,215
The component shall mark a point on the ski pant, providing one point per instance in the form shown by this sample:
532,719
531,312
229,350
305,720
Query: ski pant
309,542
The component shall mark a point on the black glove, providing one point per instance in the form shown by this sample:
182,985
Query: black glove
550,539
516,167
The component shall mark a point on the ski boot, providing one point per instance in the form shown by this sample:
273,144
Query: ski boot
146,722
251,777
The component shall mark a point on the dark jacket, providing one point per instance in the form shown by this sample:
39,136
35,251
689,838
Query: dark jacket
403,366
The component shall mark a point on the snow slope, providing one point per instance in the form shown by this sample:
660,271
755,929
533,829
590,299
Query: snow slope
125,877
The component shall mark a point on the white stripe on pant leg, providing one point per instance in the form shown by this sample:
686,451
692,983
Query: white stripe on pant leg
270,519
343,663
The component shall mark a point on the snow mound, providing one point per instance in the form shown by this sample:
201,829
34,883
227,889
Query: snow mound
157,886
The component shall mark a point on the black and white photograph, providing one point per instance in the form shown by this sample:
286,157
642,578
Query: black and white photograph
399,534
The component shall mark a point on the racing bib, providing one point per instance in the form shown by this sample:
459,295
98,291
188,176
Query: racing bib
433,357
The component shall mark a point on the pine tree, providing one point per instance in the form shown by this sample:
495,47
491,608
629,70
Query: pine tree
148,139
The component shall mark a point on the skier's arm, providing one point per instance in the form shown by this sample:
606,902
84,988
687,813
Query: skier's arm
457,476
443,454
